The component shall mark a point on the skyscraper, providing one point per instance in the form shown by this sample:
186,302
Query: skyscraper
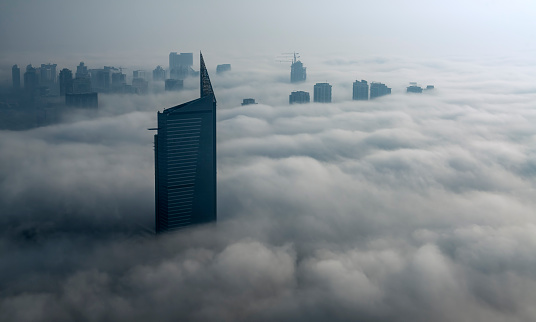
322,93
360,90
297,71
31,80
299,97
378,89
15,76
185,161
180,65
159,74
66,81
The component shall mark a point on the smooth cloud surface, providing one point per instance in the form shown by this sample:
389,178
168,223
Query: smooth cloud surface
409,207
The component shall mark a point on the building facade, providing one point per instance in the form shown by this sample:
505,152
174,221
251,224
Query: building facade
322,93
66,81
185,161
360,90
15,77
379,89
299,97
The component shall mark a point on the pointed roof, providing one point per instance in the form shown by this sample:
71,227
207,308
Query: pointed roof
206,86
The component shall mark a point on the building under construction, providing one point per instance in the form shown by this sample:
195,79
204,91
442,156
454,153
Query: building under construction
297,71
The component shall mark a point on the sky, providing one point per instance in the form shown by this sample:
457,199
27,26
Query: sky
404,208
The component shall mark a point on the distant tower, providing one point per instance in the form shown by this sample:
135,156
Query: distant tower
31,80
413,88
15,76
297,71
81,70
322,93
299,97
360,90
66,81
185,161
180,65
378,89
159,74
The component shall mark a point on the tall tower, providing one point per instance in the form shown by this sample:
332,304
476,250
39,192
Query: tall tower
360,90
15,76
322,93
185,161
297,71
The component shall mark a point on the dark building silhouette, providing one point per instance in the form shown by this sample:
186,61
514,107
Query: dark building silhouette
299,97
81,70
248,101
159,74
360,90
87,100
429,87
413,88
101,79
15,77
141,85
378,89
82,85
185,161
322,93
66,81
31,80
223,68
174,84
297,71
119,82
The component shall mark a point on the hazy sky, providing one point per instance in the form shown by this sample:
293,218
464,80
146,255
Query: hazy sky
128,30
405,208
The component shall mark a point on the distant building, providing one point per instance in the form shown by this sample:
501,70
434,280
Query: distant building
322,93
81,85
185,161
297,71
429,87
31,80
139,74
89,100
248,101
378,89
141,85
81,71
101,79
15,77
66,81
299,97
174,84
48,74
180,65
159,74
360,91
119,80
413,89
223,68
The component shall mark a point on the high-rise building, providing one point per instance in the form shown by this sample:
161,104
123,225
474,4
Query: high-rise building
31,80
185,161
180,65
413,88
322,93
297,71
87,100
159,74
66,81
15,76
223,68
378,89
360,90
299,97
81,70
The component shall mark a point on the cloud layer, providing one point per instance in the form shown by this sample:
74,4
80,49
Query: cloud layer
409,207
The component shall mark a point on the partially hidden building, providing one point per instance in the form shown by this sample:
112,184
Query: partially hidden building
322,93
360,90
378,89
185,161
299,97
15,77
298,73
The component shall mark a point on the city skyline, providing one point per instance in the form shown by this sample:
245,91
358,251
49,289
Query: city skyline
407,207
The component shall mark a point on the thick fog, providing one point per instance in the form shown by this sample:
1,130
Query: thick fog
404,208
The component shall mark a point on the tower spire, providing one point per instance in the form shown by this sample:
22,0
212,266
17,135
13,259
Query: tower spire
206,86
